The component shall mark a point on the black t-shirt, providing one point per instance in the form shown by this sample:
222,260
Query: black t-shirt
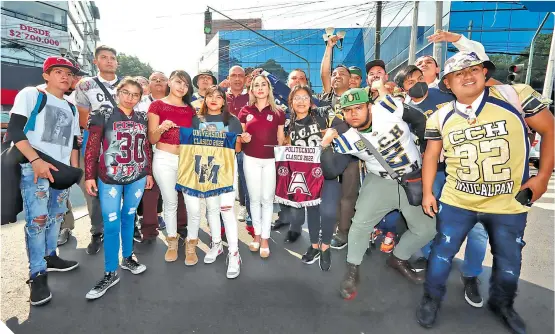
216,123
307,131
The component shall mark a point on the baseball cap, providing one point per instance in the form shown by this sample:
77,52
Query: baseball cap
353,97
58,62
81,73
355,70
376,62
463,60
204,72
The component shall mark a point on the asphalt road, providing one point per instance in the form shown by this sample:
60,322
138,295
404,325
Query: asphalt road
277,295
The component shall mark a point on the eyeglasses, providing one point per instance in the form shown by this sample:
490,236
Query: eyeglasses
301,98
127,93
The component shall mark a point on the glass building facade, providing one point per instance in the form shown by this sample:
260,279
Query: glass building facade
244,48
505,29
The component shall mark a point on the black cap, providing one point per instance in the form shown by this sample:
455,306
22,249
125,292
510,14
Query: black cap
376,62
79,73
204,72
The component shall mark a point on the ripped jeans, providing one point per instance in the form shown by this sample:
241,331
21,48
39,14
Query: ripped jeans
506,232
119,219
44,211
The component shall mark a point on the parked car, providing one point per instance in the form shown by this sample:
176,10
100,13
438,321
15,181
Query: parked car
534,156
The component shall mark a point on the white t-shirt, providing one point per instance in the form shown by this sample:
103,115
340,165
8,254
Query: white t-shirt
89,95
390,135
144,104
55,125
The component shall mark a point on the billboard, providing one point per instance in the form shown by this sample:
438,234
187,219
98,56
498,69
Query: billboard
32,33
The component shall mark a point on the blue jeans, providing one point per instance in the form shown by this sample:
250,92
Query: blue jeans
41,201
243,190
119,218
506,232
477,239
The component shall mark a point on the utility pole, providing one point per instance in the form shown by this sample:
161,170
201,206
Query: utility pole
550,72
531,53
413,34
378,28
438,47
268,39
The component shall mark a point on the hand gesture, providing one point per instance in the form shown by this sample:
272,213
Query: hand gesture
246,137
332,41
429,204
149,182
166,125
256,72
443,36
42,170
225,83
330,135
91,188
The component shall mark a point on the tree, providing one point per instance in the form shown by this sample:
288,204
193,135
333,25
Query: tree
541,57
132,66
275,68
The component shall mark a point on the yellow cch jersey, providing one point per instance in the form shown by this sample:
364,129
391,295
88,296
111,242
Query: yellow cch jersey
486,158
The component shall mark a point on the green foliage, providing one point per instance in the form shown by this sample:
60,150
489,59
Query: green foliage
132,66
275,68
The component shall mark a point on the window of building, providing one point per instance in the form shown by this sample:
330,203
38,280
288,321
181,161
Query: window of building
36,12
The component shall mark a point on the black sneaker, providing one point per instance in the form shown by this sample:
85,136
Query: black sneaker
137,236
96,243
472,292
108,281
338,242
40,293
55,263
420,264
509,316
426,313
325,259
312,255
132,265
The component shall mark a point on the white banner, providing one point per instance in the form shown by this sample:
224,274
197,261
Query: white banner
33,33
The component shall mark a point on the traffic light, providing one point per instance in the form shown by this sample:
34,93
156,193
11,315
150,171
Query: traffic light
514,72
207,22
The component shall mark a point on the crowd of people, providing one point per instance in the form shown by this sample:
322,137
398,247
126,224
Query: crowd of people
460,139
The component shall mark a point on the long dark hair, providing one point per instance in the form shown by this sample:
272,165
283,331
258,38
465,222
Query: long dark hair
204,108
293,114
187,78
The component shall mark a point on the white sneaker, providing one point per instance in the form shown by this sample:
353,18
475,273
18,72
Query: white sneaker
233,265
214,252
242,214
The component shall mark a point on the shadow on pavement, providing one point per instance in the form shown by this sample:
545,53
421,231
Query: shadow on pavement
277,295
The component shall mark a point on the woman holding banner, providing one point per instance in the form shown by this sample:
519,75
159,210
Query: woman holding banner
305,130
265,123
214,116
165,117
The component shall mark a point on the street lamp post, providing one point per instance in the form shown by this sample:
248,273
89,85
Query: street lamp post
268,39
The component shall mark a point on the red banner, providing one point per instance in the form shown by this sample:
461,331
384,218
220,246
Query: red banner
299,178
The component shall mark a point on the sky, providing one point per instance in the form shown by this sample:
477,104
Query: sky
169,35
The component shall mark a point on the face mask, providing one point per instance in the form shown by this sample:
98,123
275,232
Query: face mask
419,90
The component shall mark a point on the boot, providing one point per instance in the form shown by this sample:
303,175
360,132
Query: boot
427,311
191,252
405,269
171,253
40,293
348,287
508,315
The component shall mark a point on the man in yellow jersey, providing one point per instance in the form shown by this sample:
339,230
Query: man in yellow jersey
484,137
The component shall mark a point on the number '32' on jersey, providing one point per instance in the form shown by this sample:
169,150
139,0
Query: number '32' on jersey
487,158
118,151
